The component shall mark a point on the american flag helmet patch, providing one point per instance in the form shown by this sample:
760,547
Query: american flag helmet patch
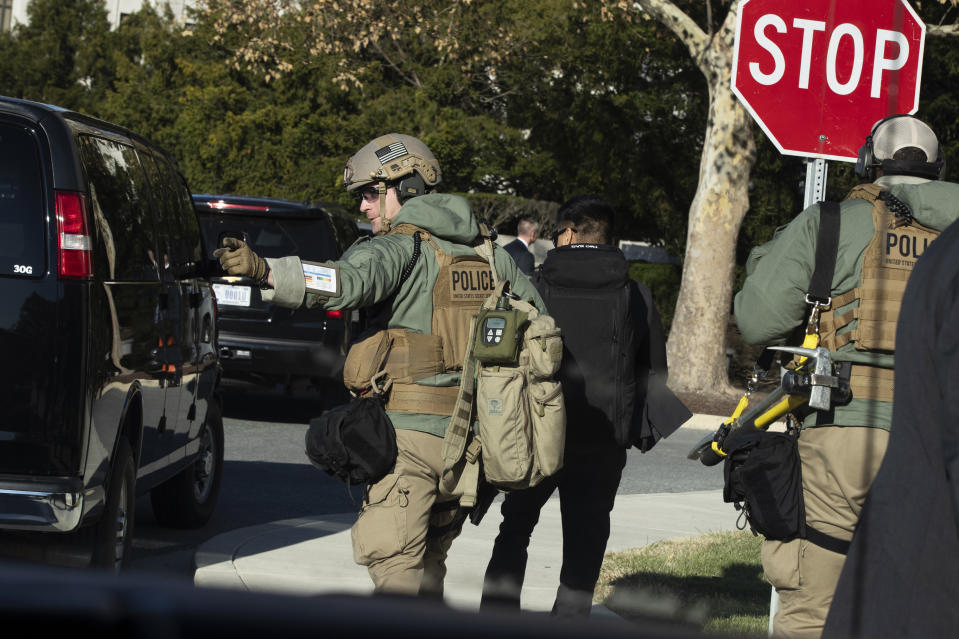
391,152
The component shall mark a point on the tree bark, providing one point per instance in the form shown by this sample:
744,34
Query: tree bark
697,338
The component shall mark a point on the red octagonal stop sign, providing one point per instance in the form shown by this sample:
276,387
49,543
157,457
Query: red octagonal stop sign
817,74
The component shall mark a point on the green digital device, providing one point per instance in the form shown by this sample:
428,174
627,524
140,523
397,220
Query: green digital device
498,335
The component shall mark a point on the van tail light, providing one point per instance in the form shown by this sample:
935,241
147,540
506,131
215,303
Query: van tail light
335,314
73,236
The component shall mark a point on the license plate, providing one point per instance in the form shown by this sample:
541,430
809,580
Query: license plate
228,295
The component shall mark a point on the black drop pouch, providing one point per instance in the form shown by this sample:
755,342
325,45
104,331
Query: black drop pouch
354,442
763,477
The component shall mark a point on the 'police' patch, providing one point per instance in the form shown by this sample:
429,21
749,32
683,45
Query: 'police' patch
903,246
470,282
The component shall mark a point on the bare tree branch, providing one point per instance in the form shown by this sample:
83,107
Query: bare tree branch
411,77
943,30
688,32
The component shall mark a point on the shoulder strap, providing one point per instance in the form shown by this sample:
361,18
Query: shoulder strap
869,192
485,250
412,229
408,229
418,236
820,285
827,247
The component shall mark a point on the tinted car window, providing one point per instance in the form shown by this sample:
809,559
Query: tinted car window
271,237
191,237
118,197
179,232
21,204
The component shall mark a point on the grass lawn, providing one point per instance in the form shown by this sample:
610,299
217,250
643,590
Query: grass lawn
713,582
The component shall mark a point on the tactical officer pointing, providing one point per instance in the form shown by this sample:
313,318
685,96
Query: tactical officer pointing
885,226
424,278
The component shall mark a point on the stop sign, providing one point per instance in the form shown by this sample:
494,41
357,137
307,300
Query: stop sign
817,74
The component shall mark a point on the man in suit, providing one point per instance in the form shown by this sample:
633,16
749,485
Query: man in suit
518,249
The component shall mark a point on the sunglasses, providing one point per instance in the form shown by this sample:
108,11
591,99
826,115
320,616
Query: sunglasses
370,194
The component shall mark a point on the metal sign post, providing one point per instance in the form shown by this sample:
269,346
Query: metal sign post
815,182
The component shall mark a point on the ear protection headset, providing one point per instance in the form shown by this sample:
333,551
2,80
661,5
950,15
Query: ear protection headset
410,187
866,162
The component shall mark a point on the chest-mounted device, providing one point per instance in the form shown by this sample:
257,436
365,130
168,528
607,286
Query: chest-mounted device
499,333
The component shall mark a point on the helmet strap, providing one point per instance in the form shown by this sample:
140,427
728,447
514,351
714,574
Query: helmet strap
381,189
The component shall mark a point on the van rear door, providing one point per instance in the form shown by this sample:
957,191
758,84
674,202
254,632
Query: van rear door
39,434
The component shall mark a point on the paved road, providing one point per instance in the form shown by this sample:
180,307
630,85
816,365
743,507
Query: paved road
266,478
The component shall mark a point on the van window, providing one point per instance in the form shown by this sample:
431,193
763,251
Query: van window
119,210
179,231
22,252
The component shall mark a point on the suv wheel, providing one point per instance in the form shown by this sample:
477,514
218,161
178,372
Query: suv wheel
113,534
187,499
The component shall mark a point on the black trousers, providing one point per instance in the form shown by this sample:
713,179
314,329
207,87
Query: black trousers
587,490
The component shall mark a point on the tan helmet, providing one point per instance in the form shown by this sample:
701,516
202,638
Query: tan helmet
389,158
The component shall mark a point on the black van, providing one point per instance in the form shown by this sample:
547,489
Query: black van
269,344
108,337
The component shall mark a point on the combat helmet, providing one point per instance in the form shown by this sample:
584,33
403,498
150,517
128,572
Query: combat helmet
394,159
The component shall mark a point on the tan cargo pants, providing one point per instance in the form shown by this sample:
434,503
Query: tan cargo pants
405,530
838,466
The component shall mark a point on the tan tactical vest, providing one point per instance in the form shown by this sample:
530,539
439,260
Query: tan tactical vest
887,264
462,285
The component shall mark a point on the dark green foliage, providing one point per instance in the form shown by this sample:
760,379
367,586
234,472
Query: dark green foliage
626,126
939,104
663,281
61,56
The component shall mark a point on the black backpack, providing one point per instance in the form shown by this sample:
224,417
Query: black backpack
599,359
354,442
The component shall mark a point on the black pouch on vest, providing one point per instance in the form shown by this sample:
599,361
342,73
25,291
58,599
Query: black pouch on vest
354,442
763,477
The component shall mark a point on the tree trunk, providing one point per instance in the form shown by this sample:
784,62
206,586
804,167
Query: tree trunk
697,339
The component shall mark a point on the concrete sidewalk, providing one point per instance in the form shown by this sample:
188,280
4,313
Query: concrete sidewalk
314,556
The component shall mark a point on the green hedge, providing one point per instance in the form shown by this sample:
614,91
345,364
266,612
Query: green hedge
663,280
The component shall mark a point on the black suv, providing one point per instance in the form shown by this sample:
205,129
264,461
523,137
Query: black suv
271,344
110,385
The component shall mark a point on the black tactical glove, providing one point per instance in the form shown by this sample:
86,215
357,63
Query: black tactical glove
236,258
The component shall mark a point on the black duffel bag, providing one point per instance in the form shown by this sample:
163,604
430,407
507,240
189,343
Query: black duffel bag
763,477
354,442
